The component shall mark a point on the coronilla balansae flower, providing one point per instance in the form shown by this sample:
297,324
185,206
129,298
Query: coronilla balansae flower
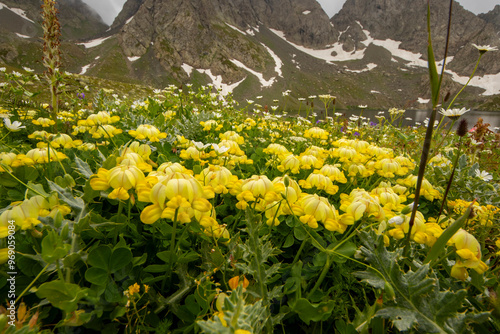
290,163
43,122
44,155
232,135
316,133
218,177
177,197
318,209
319,181
149,132
469,253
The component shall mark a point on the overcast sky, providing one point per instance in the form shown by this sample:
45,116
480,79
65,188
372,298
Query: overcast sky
108,9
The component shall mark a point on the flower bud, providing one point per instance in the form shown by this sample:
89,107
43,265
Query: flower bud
462,128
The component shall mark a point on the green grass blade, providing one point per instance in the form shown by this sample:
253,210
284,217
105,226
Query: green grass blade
433,73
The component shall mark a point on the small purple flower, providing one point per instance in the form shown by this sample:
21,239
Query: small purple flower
342,129
356,133
81,96
373,124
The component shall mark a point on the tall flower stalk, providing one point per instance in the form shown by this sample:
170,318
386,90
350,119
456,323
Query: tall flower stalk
51,53
435,81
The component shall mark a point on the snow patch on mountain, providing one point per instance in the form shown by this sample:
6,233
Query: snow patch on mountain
17,11
217,82
260,76
94,42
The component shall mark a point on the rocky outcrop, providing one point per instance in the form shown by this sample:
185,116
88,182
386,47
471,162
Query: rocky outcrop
493,17
204,33
77,19
405,21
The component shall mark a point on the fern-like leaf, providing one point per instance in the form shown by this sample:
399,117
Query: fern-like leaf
418,299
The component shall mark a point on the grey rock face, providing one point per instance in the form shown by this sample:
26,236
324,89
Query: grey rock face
493,17
197,32
405,21
77,19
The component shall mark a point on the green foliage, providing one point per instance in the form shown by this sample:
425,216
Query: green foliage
237,314
418,298
62,295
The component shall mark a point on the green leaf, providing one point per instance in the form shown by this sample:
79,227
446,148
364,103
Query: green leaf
64,296
418,298
76,203
120,258
164,256
344,328
99,257
15,195
37,190
53,247
30,173
347,250
8,181
300,233
156,268
371,278
188,257
433,74
83,168
112,293
289,241
462,161
97,276
313,312
473,170
402,318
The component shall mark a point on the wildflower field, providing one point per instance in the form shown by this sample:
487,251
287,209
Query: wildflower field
183,212
186,212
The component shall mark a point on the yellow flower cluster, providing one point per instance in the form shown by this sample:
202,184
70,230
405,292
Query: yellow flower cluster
121,178
43,122
98,125
41,156
427,190
226,153
218,177
25,214
137,154
469,252
211,125
484,215
421,232
147,131
358,204
316,133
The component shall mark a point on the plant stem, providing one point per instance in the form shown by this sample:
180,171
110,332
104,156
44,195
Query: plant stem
296,258
321,276
450,180
467,83
5,168
172,249
33,282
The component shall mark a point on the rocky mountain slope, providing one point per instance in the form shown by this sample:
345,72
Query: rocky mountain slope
78,20
372,52
493,17
405,21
